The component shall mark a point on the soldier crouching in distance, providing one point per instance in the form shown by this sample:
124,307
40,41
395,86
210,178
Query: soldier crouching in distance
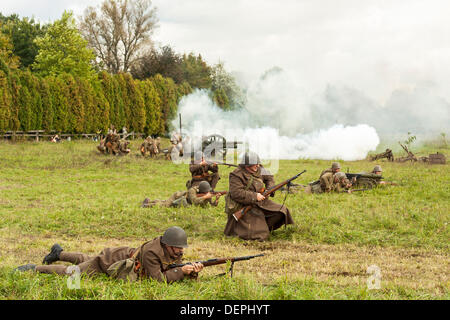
153,259
200,195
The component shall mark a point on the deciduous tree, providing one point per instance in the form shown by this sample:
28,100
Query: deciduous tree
118,31
63,50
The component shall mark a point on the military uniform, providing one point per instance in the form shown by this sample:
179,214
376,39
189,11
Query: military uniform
180,199
123,147
202,173
150,147
326,181
153,257
264,216
101,147
340,185
112,142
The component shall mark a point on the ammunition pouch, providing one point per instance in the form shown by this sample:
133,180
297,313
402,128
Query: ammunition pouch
232,206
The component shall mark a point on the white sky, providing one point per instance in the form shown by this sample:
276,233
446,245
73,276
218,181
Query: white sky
373,46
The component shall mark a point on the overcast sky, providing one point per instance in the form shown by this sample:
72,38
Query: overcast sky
373,46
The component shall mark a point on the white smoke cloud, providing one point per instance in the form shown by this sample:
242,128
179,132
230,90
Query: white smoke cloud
258,128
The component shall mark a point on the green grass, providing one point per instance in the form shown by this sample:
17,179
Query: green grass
70,193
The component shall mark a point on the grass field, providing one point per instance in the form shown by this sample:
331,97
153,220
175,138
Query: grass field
70,194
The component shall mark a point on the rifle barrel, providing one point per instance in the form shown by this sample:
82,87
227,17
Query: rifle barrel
223,163
213,262
279,186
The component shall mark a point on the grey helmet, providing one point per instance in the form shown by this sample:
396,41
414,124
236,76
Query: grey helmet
204,187
377,168
250,158
175,237
340,175
335,165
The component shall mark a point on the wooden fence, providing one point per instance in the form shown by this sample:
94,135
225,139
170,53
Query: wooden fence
37,135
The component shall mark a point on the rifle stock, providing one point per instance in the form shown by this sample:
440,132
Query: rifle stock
239,214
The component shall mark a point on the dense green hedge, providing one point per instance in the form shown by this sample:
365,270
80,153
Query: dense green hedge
74,105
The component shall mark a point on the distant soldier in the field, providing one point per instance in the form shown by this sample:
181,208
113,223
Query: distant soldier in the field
112,142
377,170
158,144
340,182
55,139
150,147
198,196
153,259
326,178
246,187
145,146
123,147
101,147
176,149
201,170
335,167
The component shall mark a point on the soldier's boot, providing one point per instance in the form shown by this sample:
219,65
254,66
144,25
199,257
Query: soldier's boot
147,203
53,256
26,267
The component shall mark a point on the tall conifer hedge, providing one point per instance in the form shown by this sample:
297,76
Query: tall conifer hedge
70,104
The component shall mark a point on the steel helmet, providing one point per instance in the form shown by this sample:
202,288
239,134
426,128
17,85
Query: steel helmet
335,165
204,187
377,168
250,158
175,237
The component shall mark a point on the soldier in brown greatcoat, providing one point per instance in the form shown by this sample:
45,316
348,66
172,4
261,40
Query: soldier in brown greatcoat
200,170
154,258
246,185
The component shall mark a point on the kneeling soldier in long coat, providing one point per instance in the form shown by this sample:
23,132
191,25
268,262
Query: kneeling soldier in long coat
154,258
246,185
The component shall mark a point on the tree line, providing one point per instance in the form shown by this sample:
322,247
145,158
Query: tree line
102,70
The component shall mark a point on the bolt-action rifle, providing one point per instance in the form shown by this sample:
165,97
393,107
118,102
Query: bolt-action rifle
213,262
265,192
355,190
214,193
222,163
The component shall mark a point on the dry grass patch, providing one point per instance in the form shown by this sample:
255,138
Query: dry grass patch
342,265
